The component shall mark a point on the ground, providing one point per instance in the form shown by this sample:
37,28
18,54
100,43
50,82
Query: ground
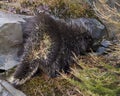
95,75
61,86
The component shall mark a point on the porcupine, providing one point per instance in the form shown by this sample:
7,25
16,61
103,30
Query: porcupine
49,45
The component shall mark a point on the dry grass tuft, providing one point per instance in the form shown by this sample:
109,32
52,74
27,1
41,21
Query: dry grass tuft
109,14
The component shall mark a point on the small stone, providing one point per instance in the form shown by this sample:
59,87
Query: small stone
106,43
101,50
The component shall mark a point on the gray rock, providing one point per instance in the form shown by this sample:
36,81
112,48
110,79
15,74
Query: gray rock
93,26
14,17
96,29
8,90
11,36
106,43
100,50
1,89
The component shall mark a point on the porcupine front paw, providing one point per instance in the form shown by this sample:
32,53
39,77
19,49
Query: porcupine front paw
23,73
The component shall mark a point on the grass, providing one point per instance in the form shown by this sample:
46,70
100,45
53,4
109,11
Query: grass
97,77
110,16
40,86
60,8
92,75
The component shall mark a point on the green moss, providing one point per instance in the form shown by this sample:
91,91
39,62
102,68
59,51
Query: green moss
96,80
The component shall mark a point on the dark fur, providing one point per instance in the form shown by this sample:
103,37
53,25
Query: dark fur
64,38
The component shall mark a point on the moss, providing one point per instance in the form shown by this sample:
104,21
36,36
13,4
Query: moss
64,8
61,8
70,9
26,3
40,86
98,77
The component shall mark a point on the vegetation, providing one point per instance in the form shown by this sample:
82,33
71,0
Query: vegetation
96,78
109,13
103,79
59,8
92,75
